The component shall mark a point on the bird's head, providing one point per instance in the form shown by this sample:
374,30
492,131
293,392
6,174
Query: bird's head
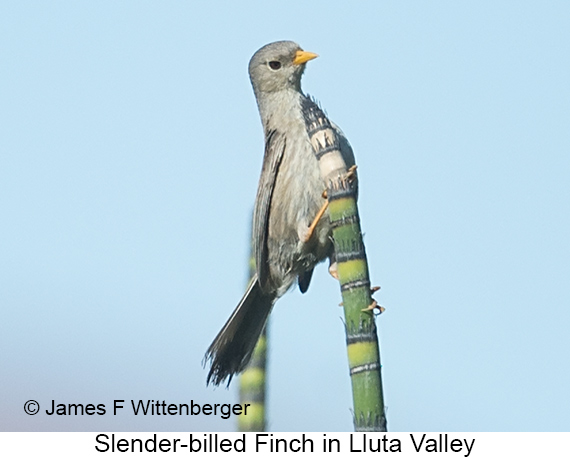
278,66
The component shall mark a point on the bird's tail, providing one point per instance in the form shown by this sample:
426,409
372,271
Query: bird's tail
232,348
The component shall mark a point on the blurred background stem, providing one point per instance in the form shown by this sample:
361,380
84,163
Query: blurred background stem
252,383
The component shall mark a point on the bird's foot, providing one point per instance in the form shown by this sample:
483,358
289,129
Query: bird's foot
374,306
351,174
333,270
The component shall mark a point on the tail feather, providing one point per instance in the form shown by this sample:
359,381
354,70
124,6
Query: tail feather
232,348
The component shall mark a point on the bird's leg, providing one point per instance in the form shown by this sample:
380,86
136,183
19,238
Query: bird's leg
305,233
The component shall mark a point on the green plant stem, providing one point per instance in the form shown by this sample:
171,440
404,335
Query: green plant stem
252,384
361,335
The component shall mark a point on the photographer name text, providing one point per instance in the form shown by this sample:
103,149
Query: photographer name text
148,408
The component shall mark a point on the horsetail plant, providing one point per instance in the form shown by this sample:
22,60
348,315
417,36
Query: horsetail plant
352,270
252,380
252,389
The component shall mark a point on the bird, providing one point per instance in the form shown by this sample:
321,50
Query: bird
291,232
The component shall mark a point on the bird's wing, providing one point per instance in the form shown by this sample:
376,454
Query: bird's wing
274,150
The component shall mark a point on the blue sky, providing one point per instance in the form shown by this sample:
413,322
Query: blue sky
130,148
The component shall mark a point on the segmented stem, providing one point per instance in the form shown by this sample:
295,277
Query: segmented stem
361,334
252,380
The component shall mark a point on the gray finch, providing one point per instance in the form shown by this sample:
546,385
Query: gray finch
289,196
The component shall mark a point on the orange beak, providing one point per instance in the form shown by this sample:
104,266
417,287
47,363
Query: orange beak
304,56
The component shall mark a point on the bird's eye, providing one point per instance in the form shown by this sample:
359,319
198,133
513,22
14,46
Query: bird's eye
275,65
